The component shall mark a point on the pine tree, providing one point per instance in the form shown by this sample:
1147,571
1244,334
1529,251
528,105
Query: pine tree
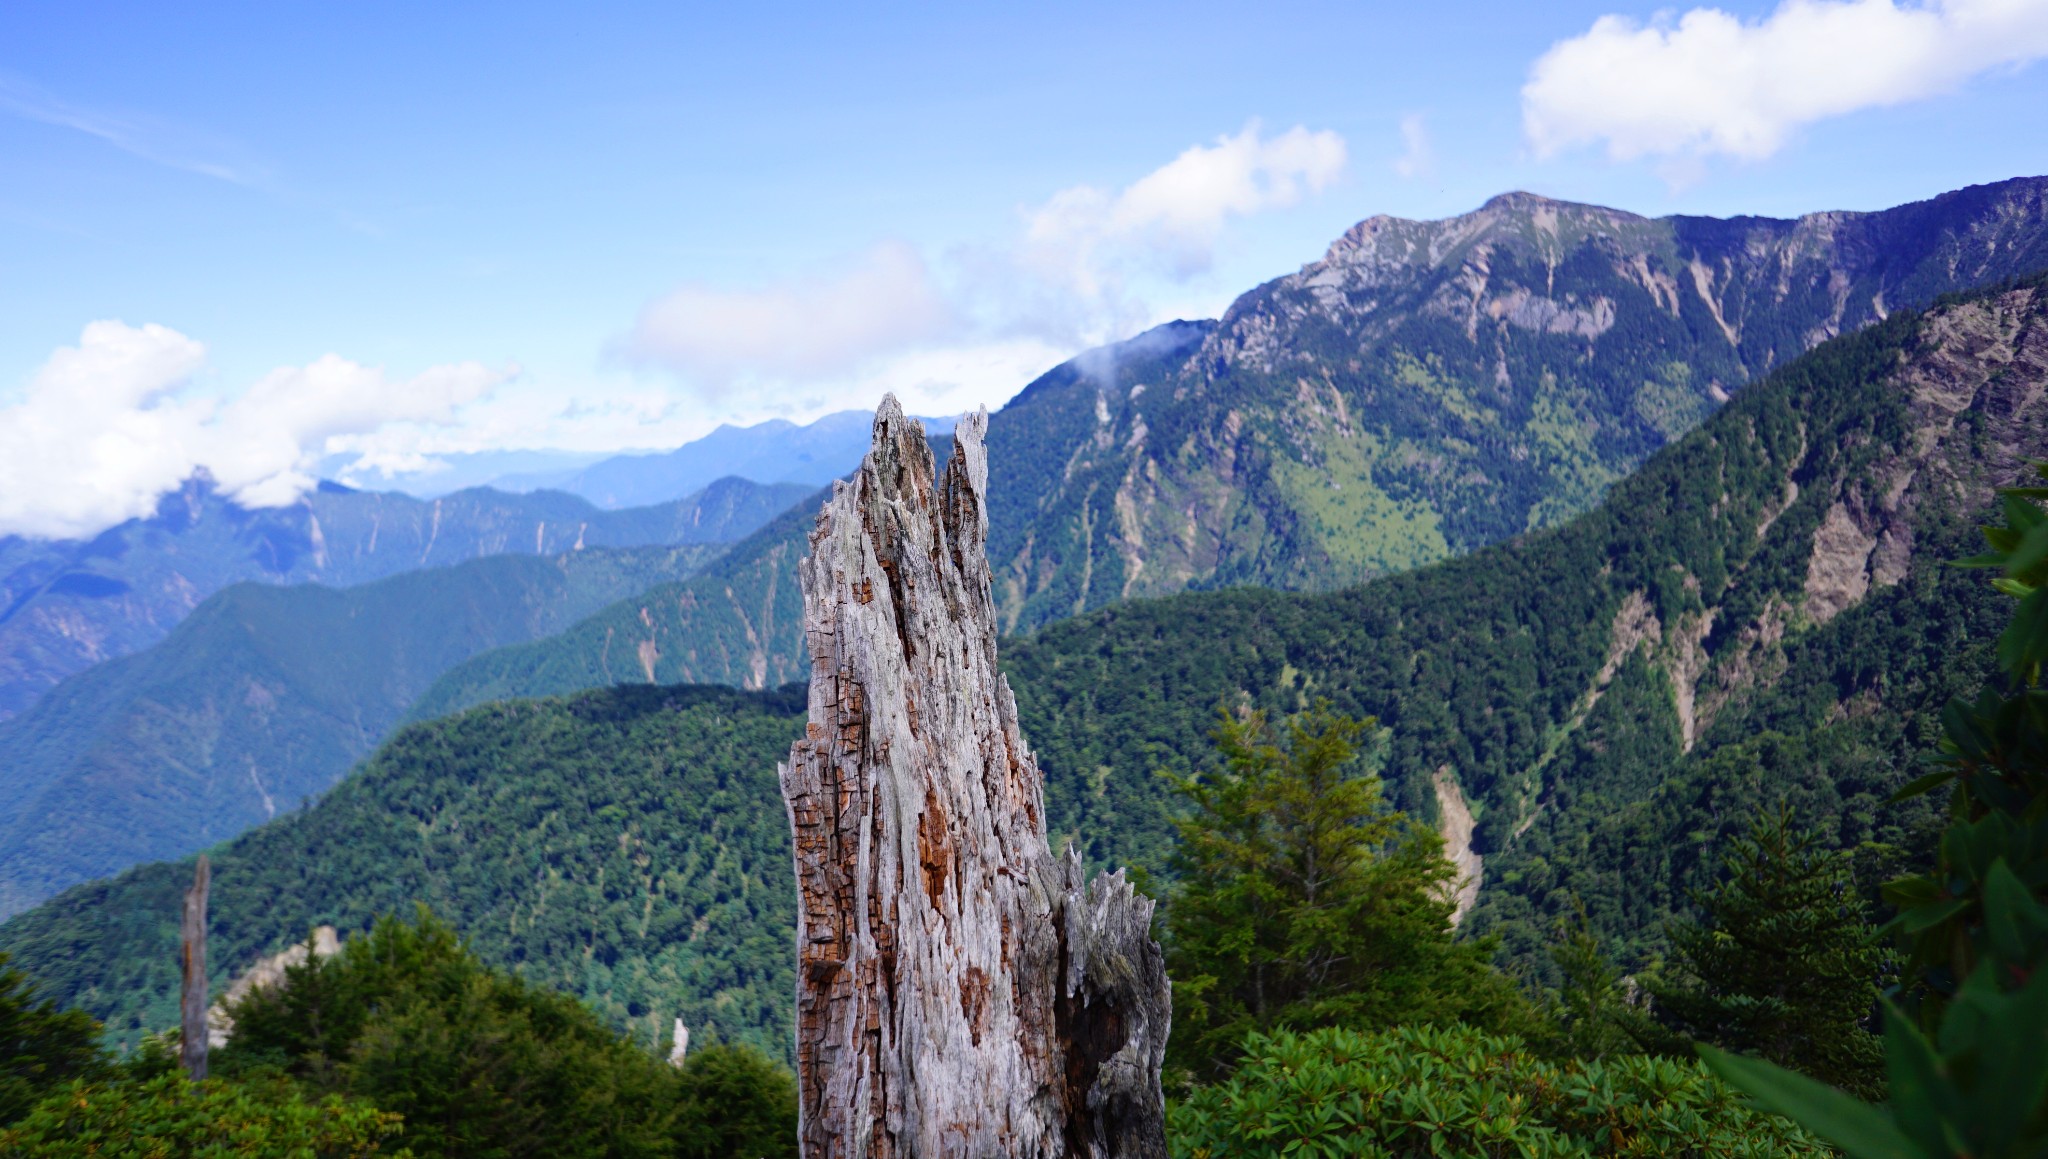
41,1047
1596,1012
1787,968
1306,901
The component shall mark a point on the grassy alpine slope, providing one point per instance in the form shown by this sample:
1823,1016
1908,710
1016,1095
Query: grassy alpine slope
264,696
627,846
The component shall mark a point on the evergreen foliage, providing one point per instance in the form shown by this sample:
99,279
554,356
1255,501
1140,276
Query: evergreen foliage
481,1063
1515,669
1969,1074
169,1116
1416,1092
263,696
735,1102
1305,901
1786,967
1618,785
40,1046
1596,1012
627,846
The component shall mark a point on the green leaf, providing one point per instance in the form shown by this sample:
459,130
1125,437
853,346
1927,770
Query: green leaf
1864,1131
2006,907
1923,784
2031,553
1926,916
1924,1104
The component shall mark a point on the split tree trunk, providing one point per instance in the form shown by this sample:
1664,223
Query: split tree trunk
192,1041
961,992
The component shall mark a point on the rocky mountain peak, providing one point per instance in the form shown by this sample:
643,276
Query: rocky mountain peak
1427,387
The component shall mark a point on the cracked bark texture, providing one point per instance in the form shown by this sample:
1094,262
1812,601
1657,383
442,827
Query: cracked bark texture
960,991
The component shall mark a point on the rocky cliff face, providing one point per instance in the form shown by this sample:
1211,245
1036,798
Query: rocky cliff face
1429,387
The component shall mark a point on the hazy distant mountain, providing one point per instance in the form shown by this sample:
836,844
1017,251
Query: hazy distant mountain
460,471
263,696
67,605
777,451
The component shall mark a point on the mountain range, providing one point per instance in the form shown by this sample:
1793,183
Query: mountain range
1202,455
66,605
775,451
1426,388
1762,611
261,698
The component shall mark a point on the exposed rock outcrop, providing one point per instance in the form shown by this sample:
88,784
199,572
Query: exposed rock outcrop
960,991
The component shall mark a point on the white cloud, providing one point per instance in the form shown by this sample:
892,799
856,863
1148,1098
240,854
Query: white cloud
1710,83
804,327
1169,220
1418,158
992,317
108,426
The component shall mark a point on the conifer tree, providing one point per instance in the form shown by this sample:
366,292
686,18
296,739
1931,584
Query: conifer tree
41,1047
1787,966
1596,1012
1306,901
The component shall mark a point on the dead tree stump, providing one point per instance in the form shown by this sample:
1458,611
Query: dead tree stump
192,1033
960,991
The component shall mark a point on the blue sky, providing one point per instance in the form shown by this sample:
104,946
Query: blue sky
407,230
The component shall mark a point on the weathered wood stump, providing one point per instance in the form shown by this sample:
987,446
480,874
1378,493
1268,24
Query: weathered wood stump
960,991
193,1038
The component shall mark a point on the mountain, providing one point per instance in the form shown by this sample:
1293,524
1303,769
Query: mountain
776,451
1427,388
627,846
447,473
738,621
1410,397
261,698
1771,585
67,605
1763,611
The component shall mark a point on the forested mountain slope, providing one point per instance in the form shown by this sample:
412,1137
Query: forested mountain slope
1430,387
65,606
263,696
739,621
1762,610
628,846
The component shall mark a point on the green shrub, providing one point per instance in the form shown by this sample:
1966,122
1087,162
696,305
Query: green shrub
167,1116
735,1102
41,1047
1455,1091
484,1065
